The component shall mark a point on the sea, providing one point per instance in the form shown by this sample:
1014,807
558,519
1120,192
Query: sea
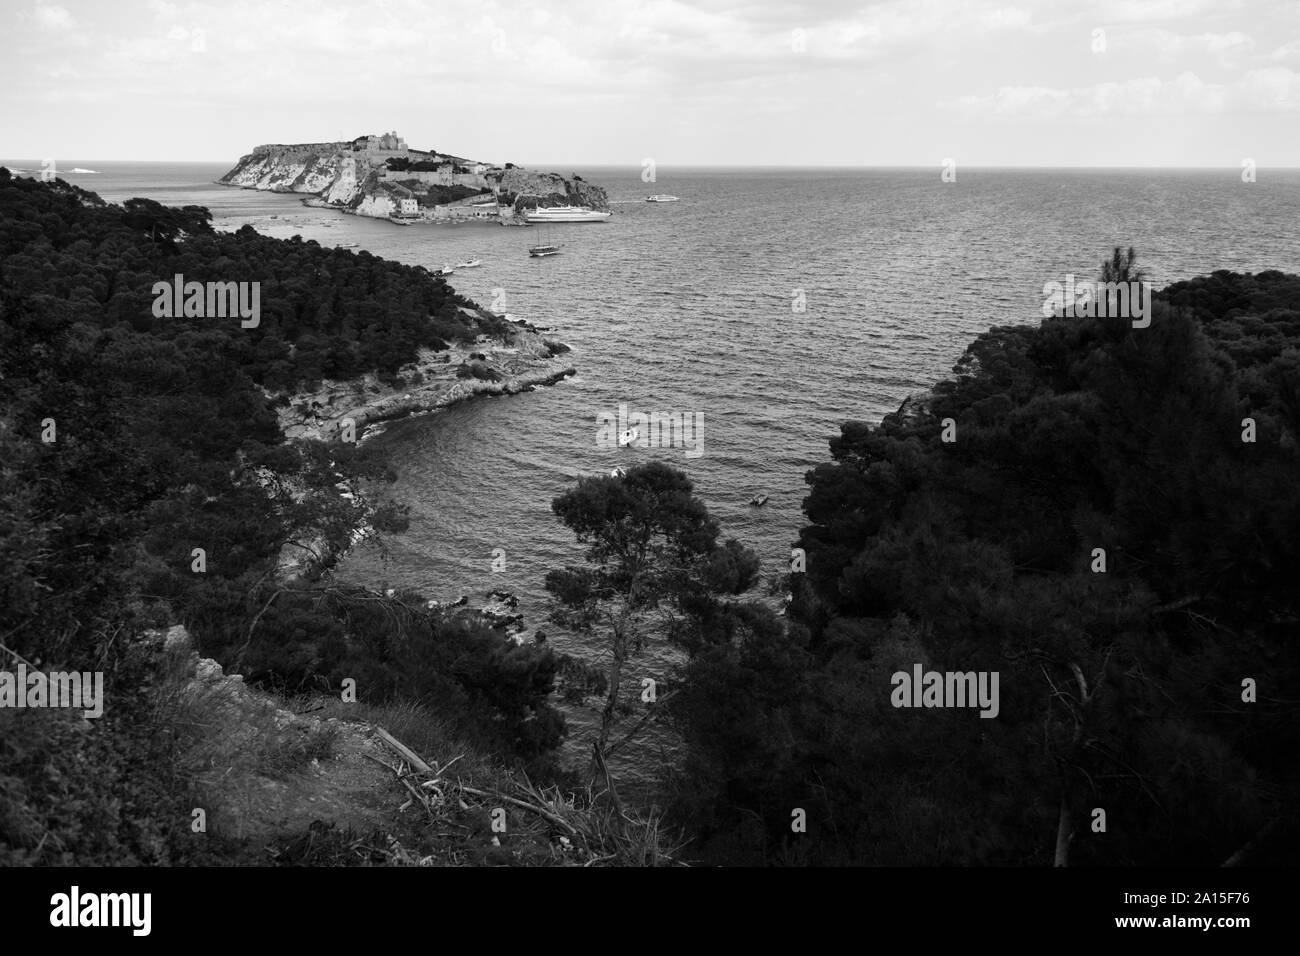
776,303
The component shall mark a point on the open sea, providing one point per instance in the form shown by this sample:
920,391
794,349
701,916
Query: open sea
689,307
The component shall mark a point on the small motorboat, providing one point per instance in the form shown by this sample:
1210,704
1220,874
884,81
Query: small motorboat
628,437
661,198
469,264
758,500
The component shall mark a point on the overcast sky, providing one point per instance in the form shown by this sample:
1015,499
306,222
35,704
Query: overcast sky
766,82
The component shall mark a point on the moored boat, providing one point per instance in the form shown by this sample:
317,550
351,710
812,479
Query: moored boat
565,214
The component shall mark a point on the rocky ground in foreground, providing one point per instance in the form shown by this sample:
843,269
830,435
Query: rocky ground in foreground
321,781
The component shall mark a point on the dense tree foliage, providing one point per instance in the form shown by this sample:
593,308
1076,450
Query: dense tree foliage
654,567
128,441
324,312
1121,689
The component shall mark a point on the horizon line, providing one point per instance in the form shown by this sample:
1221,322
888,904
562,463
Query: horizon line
607,165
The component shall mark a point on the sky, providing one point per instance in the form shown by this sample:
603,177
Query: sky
617,82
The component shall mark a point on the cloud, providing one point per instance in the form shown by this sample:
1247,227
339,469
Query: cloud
1288,51
1227,50
1274,89
52,17
729,75
1019,101
1148,11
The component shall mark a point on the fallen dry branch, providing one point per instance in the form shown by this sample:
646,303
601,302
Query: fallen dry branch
598,830
558,821
403,775
405,752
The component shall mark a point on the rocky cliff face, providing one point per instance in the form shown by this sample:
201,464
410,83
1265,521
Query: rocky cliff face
531,188
287,172
346,174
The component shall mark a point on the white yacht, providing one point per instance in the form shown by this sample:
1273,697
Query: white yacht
662,198
565,214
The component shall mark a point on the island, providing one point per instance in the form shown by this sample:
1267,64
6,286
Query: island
380,177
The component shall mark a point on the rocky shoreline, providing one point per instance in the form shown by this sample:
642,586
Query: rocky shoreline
519,362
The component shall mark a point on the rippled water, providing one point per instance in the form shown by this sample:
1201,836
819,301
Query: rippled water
687,307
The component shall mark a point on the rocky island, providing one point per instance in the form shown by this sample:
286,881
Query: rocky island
379,176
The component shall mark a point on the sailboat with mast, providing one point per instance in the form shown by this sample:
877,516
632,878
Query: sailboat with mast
547,248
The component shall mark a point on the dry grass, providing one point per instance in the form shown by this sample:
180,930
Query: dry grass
459,806
547,825
217,725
